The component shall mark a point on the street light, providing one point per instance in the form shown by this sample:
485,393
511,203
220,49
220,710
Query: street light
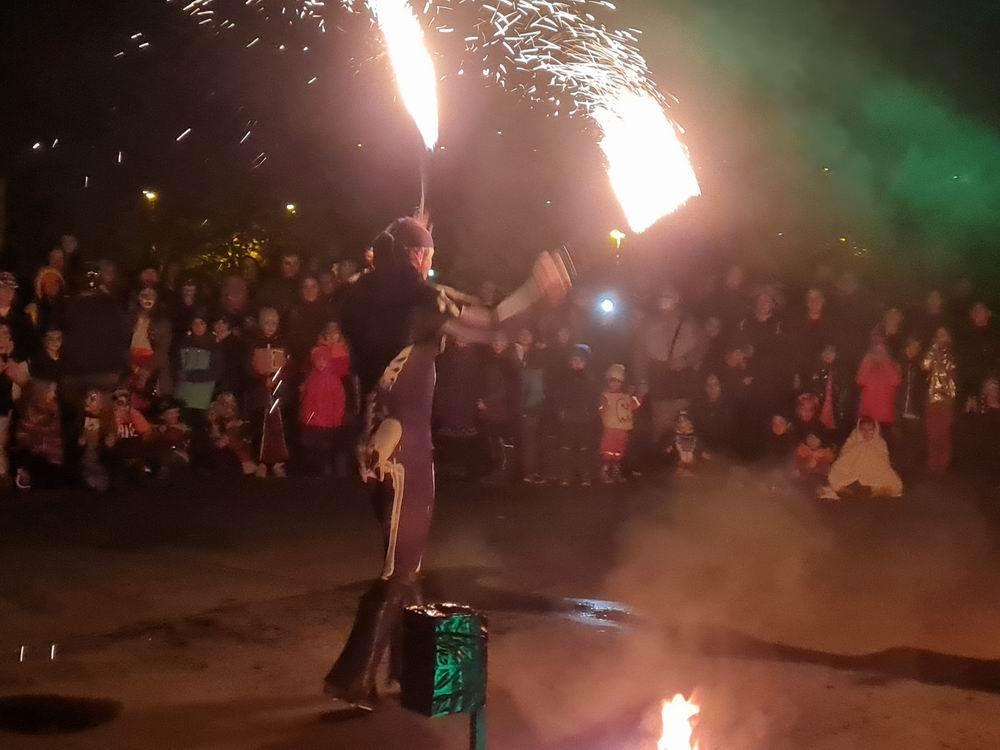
151,196
291,209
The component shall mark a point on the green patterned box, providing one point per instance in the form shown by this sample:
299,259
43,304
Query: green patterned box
444,659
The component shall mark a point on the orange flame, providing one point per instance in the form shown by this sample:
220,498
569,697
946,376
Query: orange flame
411,62
648,165
677,727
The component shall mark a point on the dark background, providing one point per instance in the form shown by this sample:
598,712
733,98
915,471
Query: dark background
859,134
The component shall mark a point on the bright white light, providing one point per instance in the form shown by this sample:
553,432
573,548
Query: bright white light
607,305
432,273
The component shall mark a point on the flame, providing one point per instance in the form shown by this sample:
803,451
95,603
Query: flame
677,729
648,166
411,63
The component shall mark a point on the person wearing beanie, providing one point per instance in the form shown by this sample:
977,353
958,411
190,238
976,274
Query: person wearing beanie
617,410
393,321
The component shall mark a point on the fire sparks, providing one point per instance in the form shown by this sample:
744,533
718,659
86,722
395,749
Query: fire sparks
411,63
677,726
648,165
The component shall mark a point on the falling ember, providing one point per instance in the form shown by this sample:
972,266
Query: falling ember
677,729
411,63
648,166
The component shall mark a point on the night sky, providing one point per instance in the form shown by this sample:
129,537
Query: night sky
807,122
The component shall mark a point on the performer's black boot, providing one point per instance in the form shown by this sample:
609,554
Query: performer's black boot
352,678
411,596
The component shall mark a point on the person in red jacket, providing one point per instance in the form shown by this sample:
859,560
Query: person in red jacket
324,399
879,376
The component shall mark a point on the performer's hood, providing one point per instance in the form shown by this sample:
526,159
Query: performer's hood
391,245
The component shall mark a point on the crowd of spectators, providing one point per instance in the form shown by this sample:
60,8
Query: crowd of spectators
109,378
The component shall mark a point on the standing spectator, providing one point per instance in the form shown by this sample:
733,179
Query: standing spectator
933,316
667,356
939,416
764,332
199,366
281,292
531,406
307,320
890,328
714,358
498,406
323,405
48,363
268,359
576,399
910,438
96,341
617,410
185,307
879,377
977,351
13,377
150,372
234,302
73,266
980,443
811,332
10,314
456,417
732,305
48,308
232,352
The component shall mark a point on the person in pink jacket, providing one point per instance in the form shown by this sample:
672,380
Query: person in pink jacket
879,377
324,398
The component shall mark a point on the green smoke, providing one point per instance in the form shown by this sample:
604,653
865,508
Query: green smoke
801,86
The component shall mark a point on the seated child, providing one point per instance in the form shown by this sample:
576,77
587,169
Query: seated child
684,451
781,442
131,434
617,411
813,457
39,437
96,438
863,466
171,439
227,432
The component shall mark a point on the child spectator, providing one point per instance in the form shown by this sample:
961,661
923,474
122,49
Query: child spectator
48,365
617,412
268,359
171,439
781,442
39,437
879,377
909,436
863,466
132,432
13,377
827,383
980,443
684,451
48,309
813,458
939,414
198,368
324,400
97,437
228,432
575,398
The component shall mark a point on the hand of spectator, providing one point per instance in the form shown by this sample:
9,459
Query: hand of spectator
481,405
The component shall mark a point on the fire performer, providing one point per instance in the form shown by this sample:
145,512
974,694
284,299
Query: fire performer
394,321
